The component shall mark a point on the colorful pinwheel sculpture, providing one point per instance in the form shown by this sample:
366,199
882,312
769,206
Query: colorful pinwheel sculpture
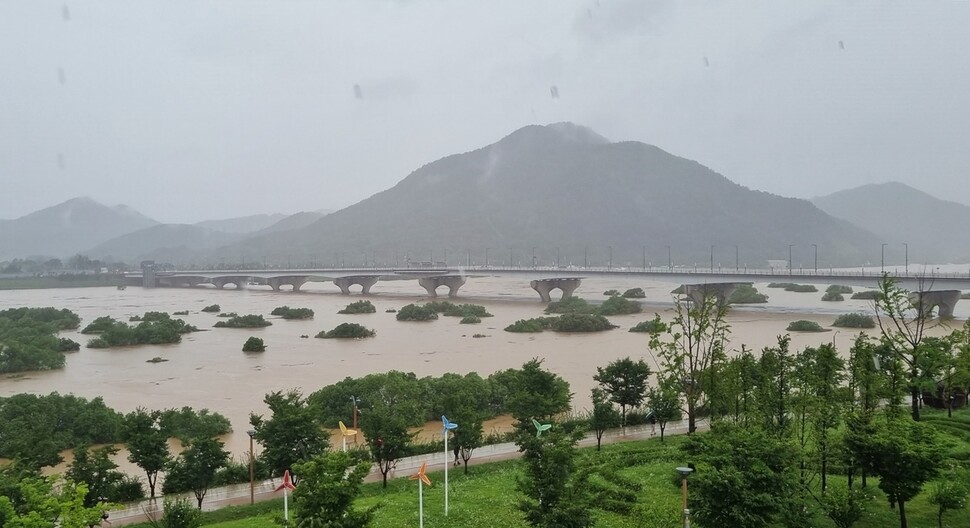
286,486
445,427
344,432
540,427
422,479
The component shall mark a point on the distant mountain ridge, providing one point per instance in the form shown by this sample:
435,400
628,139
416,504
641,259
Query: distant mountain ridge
934,229
242,224
563,187
67,228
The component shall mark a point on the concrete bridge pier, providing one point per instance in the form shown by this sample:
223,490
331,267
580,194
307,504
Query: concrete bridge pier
721,291
220,282
296,282
453,282
365,282
944,300
544,286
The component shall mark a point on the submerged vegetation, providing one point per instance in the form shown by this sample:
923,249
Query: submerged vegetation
359,307
154,328
854,320
347,331
292,313
747,294
244,321
803,325
28,338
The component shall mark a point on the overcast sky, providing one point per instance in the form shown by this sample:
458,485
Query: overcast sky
190,110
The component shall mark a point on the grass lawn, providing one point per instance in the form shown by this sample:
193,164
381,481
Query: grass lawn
487,496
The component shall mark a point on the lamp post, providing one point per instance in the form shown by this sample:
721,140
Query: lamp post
533,256
610,267
737,259
644,258
712,258
882,258
557,257
252,471
789,258
670,263
905,245
486,257
586,257
684,472
510,257
355,401
815,247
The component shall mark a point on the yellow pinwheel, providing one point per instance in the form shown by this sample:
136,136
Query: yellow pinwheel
344,432
422,477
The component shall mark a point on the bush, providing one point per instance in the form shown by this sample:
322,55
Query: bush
801,288
347,331
212,308
413,312
747,294
833,296
470,319
183,312
68,345
537,324
867,295
854,320
782,285
358,307
611,293
458,310
292,313
581,323
254,344
619,306
804,326
635,293
128,489
155,329
570,305
651,326
180,513
244,321
228,315
838,288
99,325
390,310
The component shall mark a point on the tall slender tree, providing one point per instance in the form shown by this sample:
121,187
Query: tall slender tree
147,444
625,382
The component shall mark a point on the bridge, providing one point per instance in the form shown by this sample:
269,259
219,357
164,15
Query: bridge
939,289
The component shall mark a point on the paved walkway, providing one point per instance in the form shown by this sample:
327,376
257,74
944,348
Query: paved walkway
236,494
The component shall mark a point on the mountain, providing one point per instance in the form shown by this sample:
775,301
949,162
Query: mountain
243,224
563,187
67,228
934,229
175,243
294,221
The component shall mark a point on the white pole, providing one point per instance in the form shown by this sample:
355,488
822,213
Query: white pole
345,443
286,508
421,502
446,472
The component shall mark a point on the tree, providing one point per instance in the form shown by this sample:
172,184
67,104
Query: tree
329,484
664,402
556,494
536,393
688,347
774,388
904,455
738,386
388,439
195,469
823,383
745,479
843,505
99,473
625,381
603,416
949,494
48,503
292,434
254,344
464,400
177,513
147,444
903,322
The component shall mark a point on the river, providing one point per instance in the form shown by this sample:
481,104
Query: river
209,370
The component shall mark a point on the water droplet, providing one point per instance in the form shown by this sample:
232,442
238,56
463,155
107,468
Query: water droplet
554,91
707,63
358,92
60,161
61,76
66,13
841,45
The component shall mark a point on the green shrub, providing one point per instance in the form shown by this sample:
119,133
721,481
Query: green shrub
244,321
782,285
99,325
867,295
537,324
228,315
570,305
254,344
747,294
611,293
470,319
582,323
854,320
347,330
292,313
458,310
183,312
358,307
838,288
833,296
635,293
801,288
651,326
804,326
155,329
618,306
68,345
390,310
180,513
413,312
212,308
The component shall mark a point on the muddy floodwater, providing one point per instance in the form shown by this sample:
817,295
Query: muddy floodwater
209,370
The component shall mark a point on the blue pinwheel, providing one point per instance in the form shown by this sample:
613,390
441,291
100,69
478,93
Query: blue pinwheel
540,428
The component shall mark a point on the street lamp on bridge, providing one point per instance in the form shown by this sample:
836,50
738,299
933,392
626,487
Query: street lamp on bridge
905,245
882,258
610,267
670,263
712,259
815,247
789,258
737,259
